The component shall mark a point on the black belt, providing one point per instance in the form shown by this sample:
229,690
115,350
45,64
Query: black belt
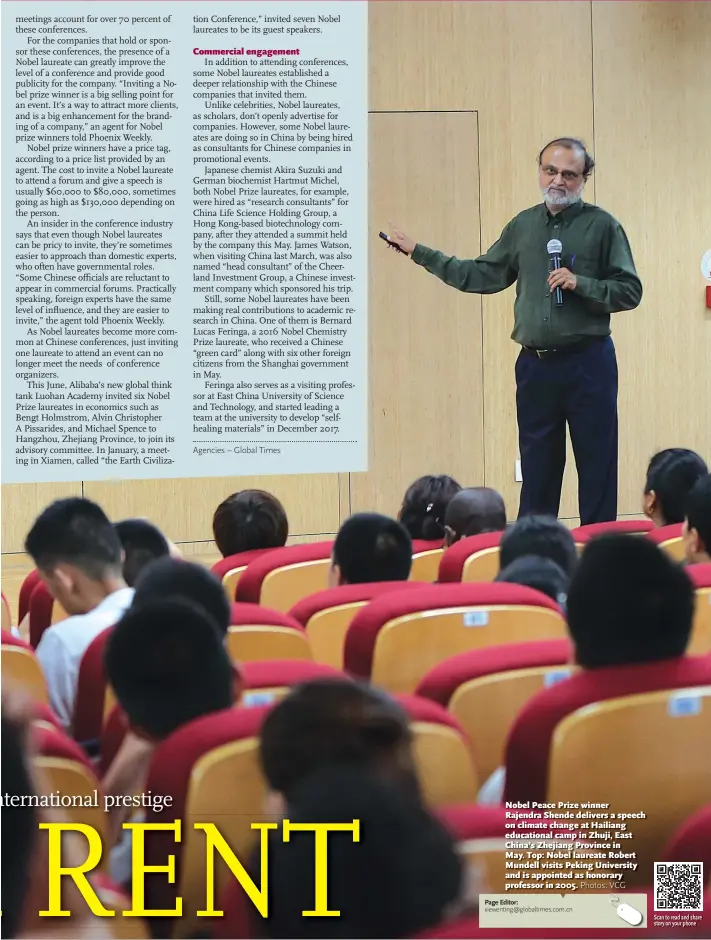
561,351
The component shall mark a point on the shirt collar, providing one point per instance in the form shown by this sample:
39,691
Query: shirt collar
566,216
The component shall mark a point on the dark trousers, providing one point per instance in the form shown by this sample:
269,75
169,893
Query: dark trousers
580,388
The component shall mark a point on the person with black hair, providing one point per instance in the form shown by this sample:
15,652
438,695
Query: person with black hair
542,536
697,525
541,574
424,505
337,721
630,614
167,665
473,511
171,579
573,268
399,877
369,548
142,543
79,558
628,603
671,474
249,520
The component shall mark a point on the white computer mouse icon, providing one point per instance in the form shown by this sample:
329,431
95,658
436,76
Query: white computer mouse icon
629,914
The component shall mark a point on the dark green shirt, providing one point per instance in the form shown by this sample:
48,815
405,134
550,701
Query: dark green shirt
596,250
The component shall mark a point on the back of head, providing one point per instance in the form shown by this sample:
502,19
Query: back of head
171,578
698,516
370,547
75,532
331,722
142,543
424,505
628,603
670,476
539,535
249,520
396,880
539,573
167,664
18,828
474,511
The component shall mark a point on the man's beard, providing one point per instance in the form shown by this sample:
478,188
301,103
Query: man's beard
557,198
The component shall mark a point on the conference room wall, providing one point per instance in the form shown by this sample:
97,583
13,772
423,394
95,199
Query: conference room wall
632,78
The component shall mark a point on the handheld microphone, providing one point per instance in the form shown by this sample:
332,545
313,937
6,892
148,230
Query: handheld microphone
555,250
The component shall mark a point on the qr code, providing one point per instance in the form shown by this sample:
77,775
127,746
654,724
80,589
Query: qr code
678,886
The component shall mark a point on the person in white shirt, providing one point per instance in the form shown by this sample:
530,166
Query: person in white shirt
79,557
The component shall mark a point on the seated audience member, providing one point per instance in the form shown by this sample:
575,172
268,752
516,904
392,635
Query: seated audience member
78,555
543,536
173,579
167,665
424,505
697,526
629,605
542,574
399,877
335,721
670,476
249,520
142,543
473,511
368,548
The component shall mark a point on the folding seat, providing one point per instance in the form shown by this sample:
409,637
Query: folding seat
94,698
23,602
528,747
647,753
265,683
43,612
585,533
691,842
258,633
210,770
328,614
112,735
20,667
64,767
443,757
669,538
399,637
700,642
486,689
474,559
230,569
426,556
285,575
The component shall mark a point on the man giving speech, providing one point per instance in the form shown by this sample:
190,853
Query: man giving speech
573,267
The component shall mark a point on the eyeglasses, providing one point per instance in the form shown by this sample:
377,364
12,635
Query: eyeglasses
568,175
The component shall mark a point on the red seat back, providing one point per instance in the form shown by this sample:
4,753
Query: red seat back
584,533
666,532
454,559
692,842
441,683
91,690
249,588
529,744
363,632
266,682
41,605
28,586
